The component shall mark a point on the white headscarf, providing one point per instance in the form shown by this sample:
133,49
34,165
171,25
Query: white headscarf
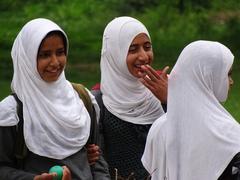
200,136
56,123
123,95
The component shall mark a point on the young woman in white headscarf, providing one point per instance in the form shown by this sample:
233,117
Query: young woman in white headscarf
128,108
197,138
56,124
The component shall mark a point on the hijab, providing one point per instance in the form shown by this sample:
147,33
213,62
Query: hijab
56,123
200,136
123,95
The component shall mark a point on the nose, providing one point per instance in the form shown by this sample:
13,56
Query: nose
143,55
231,82
54,61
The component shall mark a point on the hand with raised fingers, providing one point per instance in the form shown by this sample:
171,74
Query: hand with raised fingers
156,83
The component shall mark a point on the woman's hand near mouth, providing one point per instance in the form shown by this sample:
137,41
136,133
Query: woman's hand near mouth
156,83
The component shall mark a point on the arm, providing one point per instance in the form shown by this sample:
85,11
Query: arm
50,176
8,169
100,170
11,143
99,166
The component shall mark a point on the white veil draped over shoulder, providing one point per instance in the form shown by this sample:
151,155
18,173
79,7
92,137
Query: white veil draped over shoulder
123,95
198,136
56,123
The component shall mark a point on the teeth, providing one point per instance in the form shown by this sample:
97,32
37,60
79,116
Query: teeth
139,65
53,71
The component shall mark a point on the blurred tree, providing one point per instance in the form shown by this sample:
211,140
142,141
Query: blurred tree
130,6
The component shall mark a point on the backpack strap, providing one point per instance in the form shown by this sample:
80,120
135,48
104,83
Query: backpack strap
98,96
21,149
84,95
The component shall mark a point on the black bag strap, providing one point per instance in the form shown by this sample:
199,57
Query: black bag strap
84,95
21,149
98,96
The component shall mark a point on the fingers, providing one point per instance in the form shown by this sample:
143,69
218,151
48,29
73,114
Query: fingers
51,176
93,158
66,173
147,82
157,84
93,153
92,148
150,72
45,176
164,71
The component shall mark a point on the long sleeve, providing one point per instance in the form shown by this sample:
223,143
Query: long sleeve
8,169
100,170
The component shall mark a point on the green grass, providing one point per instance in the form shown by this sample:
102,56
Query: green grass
5,89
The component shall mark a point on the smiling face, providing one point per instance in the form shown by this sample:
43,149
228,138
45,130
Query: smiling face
51,58
139,53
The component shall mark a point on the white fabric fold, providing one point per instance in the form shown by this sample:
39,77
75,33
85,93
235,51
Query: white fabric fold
8,112
199,137
56,123
123,95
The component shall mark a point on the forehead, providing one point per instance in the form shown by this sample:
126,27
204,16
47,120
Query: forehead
53,39
141,38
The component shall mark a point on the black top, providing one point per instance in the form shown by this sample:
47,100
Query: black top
232,172
123,143
35,164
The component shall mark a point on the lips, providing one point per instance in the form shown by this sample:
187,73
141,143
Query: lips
139,65
54,71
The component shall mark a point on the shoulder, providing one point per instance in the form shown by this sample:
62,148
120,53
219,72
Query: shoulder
8,103
157,127
157,131
154,148
97,93
8,113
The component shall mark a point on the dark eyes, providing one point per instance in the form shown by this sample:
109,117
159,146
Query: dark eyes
44,54
134,47
60,52
47,54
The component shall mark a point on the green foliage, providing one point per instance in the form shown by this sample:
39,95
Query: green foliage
172,25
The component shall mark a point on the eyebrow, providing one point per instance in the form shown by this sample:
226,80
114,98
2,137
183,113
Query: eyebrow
133,45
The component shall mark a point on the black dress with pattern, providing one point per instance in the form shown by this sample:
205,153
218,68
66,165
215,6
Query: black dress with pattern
124,145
